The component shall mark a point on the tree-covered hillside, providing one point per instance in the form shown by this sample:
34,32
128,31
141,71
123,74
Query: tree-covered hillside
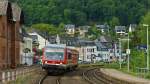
81,12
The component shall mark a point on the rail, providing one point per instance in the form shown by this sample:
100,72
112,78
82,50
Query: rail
91,77
45,77
95,76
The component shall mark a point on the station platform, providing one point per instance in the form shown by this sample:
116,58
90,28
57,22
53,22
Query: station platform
124,76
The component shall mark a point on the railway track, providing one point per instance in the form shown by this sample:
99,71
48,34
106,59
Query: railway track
92,76
50,79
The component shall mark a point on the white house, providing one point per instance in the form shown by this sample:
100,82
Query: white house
83,30
27,55
87,51
38,38
132,27
102,52
70,29
90,53
103,28
120,30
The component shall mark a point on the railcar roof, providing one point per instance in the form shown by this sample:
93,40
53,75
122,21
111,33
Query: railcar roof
55,46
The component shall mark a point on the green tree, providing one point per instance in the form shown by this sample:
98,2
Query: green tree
146,19
94,33
142,32
67,16
61,29
80,12
137,59
114,22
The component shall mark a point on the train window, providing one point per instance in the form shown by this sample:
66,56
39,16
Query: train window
54,55
69,56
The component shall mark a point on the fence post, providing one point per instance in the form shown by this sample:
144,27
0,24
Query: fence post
13,75
8,76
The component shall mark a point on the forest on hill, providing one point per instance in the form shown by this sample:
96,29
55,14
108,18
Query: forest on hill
83,12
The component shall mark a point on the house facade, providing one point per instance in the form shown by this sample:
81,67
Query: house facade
121,30
27,57
103,28
87,51
70,29
37,38
83,30
11,20
132,27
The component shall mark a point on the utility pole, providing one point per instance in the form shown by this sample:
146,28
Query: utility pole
146,25
147,50
128,55
120,52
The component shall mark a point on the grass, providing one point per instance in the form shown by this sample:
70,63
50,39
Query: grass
90,65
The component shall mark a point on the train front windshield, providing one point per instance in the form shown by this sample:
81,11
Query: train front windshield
54,55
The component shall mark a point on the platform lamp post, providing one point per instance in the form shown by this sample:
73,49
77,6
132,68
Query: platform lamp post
146,25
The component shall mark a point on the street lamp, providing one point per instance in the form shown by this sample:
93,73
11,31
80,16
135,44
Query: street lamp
146,25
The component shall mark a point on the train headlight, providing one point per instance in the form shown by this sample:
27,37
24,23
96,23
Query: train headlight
46,62
60,62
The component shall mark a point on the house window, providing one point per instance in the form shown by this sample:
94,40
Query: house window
88,56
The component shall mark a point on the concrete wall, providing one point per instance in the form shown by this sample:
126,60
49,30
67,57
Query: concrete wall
9,42
4,42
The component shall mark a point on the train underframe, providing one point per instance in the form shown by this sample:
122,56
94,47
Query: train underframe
59,68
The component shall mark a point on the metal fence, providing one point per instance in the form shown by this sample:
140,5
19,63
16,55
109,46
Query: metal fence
141,72
10,75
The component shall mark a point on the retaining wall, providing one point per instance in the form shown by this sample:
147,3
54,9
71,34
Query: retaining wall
10,75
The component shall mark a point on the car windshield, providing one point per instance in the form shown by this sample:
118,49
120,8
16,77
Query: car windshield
54,55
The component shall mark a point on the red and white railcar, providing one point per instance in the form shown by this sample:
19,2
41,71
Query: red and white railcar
59,58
